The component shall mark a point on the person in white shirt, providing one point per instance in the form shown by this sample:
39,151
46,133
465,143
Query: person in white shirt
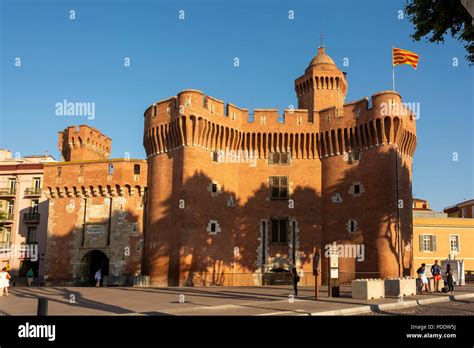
98,278
4,281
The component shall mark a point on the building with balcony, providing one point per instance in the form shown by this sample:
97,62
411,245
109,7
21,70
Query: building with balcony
23,212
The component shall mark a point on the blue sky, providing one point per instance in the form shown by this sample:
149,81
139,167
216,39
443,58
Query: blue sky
82,60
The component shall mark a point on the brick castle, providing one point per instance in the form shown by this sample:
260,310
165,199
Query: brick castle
231,199
96,207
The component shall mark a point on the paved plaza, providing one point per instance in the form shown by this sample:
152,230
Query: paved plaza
265,300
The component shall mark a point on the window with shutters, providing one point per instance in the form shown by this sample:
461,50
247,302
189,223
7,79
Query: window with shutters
427,242
279,230
454,243
278,187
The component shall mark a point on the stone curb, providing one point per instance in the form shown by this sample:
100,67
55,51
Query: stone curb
396,305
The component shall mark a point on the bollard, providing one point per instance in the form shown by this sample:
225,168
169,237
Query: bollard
42,306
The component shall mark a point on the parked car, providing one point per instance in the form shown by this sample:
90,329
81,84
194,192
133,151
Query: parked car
278,276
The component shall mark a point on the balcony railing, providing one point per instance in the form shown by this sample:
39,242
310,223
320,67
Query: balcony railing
7,192
5,245
33,191
31,218
6,218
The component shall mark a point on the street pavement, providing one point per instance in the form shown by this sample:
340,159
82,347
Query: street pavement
459,307
265,300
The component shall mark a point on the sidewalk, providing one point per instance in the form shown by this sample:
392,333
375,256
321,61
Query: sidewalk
261,301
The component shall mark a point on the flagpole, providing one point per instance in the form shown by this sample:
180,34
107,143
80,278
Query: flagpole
393,73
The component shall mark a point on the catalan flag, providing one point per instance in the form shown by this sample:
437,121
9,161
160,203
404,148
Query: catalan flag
400,56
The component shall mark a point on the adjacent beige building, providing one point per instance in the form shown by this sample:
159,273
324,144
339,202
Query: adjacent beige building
24,212
437,236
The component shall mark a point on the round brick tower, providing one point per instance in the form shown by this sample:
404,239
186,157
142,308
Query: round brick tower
366,149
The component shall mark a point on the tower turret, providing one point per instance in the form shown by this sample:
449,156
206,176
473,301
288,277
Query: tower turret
81,143
322,85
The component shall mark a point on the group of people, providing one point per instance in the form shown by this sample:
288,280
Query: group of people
437,276
435,271
6,277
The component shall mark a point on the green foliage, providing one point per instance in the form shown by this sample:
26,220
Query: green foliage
3,215
434,18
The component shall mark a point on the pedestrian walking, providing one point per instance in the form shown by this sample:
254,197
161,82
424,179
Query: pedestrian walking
423,278
30,276
4,281
296,279
436,272
98,277
450,278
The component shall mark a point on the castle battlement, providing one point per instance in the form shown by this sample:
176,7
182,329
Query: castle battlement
83,142
363,124
323,125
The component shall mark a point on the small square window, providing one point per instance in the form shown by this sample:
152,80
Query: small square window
279,158
278,187
213,227
215,156
136,169
356,189
354,156
214,188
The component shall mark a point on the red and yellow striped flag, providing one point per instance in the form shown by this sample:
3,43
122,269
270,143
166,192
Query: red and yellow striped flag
400,56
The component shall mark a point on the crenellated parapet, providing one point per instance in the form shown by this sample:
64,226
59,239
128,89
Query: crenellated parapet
360,125
83,143
194,102
106,191
367,123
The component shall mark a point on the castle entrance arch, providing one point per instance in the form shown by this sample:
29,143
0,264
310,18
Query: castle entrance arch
91,263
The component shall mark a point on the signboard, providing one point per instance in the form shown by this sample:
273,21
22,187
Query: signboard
95,228
97,211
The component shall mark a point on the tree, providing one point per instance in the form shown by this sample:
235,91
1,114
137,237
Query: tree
434,18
